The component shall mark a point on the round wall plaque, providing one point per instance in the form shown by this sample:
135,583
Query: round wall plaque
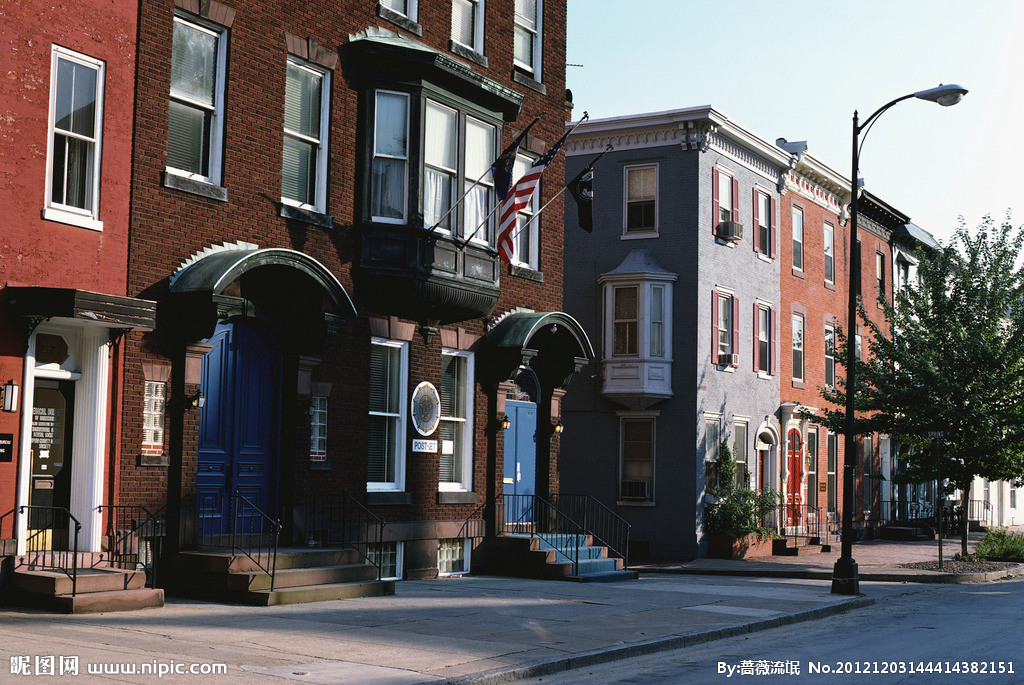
426,408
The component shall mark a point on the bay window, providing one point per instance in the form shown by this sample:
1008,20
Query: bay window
390,157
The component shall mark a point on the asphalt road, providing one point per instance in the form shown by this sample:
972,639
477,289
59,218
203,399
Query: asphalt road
912,634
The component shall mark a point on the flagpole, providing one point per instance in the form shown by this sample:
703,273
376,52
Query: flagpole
463,243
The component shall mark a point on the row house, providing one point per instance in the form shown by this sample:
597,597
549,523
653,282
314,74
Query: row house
715,280
65,312
338,345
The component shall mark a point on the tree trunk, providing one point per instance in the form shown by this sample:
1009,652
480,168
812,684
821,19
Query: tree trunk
964,525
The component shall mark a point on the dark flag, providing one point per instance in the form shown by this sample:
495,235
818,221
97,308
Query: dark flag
582,190
501,170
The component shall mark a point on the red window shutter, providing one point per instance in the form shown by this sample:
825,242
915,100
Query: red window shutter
735,199
735,327
714,202
757,339
773,341
714,326
754,230
773,234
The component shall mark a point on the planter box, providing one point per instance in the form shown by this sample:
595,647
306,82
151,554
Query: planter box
732,547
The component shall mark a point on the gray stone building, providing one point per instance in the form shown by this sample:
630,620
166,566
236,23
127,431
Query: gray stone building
678,288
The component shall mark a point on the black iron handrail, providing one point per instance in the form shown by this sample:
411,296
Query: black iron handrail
979,510
607,527
539,518
254,531
343,520
46,527
808,522
134,537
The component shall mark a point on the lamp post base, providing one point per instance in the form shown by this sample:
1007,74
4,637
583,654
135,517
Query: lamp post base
845,578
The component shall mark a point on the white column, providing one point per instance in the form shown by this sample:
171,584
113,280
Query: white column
90,438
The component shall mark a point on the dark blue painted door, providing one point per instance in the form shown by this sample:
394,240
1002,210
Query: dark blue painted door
520,475
238,424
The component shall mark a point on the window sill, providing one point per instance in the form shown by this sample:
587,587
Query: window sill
309,216
399,20
799,273
522,79
799,385
195,187
764,376
727,368
829,285
154,460
62,216
639,235
456,497
631,503
764,258
319,466
526,272
467,53
380,498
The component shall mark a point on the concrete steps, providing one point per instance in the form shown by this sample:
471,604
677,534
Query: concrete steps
903,533
782,547
551,558
97,590
302,575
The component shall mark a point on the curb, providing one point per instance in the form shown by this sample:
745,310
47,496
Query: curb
508,675
893,576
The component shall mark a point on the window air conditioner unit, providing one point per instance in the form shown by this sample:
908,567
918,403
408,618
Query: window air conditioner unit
728,359
730,230
635,490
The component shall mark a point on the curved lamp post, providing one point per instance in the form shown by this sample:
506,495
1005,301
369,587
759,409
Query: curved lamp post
845,580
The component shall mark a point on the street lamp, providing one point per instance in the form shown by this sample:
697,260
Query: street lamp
845,580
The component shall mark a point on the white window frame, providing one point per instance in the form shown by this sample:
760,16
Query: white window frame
644,232
401,418
528,218
742,460
711,446
154,410
830,251
465,482
485,236
799,345
764,336
318,419
615,321
798,238
724,197
466,556
725,314
215,147
537,31
58,211
656,327
650,418
411,9
405,160
764,223
321,143
451,174
830,355
375,550
477,45
833,496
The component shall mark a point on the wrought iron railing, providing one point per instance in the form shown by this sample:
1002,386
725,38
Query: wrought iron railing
980,510
255,534
607,527
534,516
134,538
343,521
51,540
808,522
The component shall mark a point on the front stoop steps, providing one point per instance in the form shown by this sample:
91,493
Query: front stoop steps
303,575
97,590
782,547
551,558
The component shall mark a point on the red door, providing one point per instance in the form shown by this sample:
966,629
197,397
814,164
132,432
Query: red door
794,466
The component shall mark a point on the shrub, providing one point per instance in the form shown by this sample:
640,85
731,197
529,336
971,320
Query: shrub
1001,543
737,511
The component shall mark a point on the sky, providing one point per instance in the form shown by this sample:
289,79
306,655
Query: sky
798,69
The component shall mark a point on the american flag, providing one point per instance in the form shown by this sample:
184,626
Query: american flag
518,197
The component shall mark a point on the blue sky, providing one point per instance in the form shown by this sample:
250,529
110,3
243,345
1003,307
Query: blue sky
798,70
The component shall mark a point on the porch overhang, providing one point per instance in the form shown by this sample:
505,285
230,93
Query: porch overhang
552,343
30,305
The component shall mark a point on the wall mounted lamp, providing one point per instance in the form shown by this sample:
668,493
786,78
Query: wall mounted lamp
10,396
559,427
196,400
505,423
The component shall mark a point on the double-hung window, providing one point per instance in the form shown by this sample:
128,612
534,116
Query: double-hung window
739,454
439,165
724,328
798,347
468,24
406,8
830,253
880,274
476,212
641,199
636,482
318,428
724,324
764,208
798,238
456,420
830,355
656,311
389,362
306,122
526,39
763,345
712,429
196,120
812,469
527,231
626,321
389,194
832,446
76,116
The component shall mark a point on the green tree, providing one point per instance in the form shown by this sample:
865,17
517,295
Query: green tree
949,362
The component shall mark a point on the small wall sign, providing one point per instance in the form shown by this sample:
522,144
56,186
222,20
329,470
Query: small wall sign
426,409
6,446
424,446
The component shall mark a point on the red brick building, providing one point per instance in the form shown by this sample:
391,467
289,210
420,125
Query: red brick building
65,156
335,330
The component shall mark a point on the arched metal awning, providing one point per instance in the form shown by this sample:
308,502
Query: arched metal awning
552,343
288,288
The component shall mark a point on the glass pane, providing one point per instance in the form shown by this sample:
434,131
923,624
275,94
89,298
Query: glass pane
380,466
388,188
437,197
523,46
399,6
476,207
526,12
187,138
462,22
298,174
60,152
440,135
384,378
479,149
75,104
78,192
625,303
193,63
302,101
391,125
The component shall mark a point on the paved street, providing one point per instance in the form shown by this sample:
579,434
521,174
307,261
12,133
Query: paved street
909,626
